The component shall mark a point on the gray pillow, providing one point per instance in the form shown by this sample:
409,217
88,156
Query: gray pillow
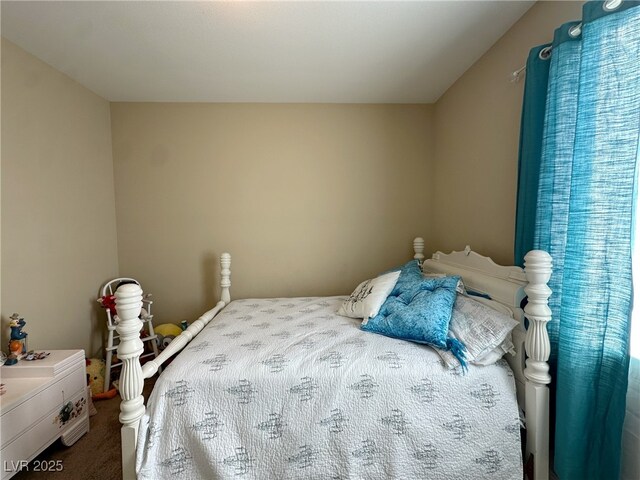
485,332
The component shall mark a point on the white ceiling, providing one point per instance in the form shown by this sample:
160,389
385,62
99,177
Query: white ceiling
351,52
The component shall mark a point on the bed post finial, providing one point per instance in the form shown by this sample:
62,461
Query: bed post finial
128,300
418,249
537,268
225,277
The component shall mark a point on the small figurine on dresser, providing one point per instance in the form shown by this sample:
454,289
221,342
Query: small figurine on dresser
17,340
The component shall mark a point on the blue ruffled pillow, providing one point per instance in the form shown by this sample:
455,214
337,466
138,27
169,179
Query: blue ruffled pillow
419,310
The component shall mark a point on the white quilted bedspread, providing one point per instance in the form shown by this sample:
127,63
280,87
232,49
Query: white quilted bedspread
287,389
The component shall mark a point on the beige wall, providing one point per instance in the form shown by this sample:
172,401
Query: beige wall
58,216
477,130
308,199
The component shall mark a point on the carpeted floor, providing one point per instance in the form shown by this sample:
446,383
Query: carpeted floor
96,456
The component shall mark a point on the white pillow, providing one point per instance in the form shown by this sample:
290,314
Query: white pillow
485,332
497,353
368,297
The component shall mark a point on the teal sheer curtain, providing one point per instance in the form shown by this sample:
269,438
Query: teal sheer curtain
556,165
584,216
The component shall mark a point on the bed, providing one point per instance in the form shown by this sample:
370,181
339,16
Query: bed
286,388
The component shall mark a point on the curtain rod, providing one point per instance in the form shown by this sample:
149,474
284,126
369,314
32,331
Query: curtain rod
544,54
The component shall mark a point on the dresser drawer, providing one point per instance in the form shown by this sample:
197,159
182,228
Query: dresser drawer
42,433
29,412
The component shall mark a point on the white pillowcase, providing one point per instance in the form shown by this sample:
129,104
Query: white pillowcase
485,332
497,353
368,297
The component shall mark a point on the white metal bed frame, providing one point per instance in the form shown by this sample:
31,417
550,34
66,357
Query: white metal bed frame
506,285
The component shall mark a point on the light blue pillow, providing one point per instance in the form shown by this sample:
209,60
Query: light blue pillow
419,311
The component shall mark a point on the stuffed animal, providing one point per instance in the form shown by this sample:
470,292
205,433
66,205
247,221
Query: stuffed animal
95,375
165,333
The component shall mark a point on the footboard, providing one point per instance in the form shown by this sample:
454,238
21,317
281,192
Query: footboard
132,408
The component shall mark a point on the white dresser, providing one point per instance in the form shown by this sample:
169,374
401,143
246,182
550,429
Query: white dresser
44,400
